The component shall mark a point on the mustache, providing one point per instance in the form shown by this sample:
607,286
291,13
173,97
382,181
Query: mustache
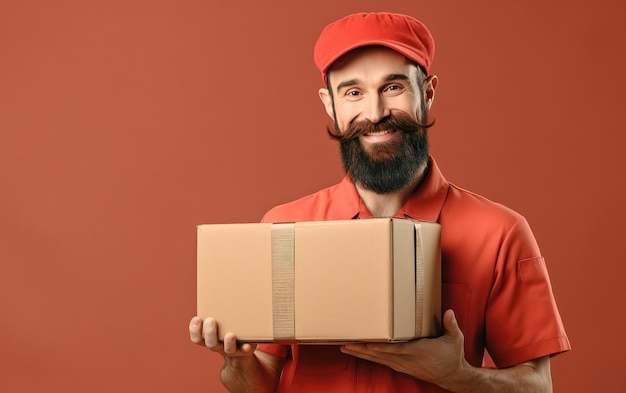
395,122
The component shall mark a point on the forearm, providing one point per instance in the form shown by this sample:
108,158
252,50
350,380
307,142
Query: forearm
529,377
249,375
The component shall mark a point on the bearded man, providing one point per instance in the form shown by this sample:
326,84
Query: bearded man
496,291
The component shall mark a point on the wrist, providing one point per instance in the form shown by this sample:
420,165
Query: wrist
465,379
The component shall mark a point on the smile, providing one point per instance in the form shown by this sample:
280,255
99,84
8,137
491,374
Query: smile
379,136
378,133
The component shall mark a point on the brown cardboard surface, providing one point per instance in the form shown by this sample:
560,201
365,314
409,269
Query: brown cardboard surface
430,235
352,280
234,278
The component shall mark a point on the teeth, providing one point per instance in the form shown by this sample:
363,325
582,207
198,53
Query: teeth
378,133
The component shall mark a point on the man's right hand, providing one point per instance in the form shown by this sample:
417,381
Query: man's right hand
245,370
205,333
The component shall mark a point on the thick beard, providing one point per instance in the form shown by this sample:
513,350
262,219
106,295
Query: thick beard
390,166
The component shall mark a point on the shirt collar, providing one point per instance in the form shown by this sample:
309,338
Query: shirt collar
425,204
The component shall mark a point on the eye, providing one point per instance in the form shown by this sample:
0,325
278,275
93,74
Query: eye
353,93
393,89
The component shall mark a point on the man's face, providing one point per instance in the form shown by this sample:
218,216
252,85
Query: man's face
378,106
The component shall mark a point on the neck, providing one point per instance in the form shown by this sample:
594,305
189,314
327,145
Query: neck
386,205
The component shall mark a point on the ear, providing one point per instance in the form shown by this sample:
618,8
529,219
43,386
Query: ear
327,100
429,90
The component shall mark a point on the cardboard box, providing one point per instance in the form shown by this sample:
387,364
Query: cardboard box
376,279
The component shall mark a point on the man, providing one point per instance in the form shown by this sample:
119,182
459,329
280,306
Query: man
496,292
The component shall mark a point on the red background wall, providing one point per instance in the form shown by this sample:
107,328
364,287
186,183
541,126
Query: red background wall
123,124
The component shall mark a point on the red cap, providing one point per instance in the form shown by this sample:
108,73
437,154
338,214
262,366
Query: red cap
402,33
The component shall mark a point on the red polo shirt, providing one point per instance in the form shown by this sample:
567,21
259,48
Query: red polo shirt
494,278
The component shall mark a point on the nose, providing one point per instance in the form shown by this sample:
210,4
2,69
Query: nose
376,108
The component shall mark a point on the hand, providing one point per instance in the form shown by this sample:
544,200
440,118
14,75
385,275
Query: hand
429,359
244,370
205,333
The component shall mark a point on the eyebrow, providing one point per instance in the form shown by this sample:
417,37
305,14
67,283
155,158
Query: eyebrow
388,78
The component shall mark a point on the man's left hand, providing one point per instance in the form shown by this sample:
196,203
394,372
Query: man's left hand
429,359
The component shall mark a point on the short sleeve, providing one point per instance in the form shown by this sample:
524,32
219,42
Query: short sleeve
522,319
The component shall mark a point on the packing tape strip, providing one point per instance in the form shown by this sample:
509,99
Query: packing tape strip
283,281
419,280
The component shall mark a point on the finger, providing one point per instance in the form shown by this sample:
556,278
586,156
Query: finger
209,330
195,330
393,348
248,348
353,348
376,357
375,347
230,344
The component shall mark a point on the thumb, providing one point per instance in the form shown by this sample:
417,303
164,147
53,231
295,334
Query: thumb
450,324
